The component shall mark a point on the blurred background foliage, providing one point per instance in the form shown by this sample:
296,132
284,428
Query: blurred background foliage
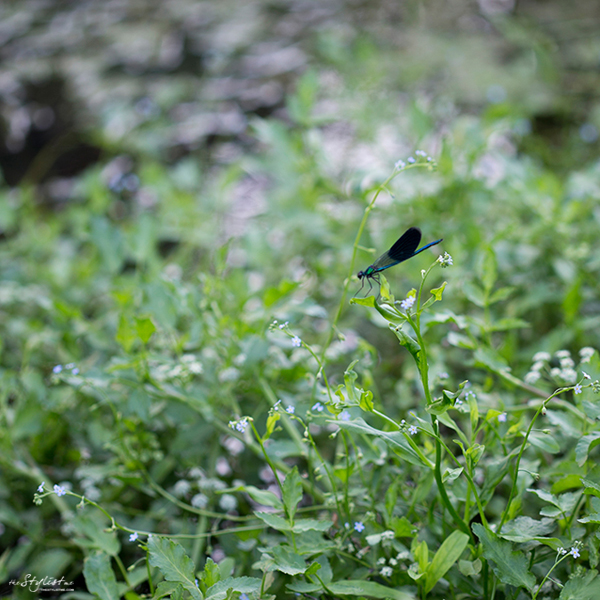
177,174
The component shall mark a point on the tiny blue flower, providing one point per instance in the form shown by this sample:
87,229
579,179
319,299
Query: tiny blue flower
318,407
75,371
502,417
59,491
400,164
296,341
133,537
359,526
411,160
574,552
412,430
577,389
41,488
290,410
345,415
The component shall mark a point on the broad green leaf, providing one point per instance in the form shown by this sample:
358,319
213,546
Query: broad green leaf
99,576
144,327
274,521
524,529
175,565
586,587
291,492
584,445
448,553
311,525
264,497
243,585
591,487
511,567
369,589
287,561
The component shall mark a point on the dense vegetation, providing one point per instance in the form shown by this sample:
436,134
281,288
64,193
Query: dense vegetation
205,409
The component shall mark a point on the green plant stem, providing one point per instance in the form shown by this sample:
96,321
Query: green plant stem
520,455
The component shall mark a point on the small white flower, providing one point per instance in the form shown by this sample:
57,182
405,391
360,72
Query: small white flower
541,356
532,377
562,354
199,501
568,375
567,363
400,165
586,352
296,341
585,375
181,488
445,260
386,571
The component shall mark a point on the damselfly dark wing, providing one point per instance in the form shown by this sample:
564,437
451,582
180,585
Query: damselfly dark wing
404,248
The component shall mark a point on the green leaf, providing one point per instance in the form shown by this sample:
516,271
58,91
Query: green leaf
510,566
584,445
144,328
274,521
590,487
366,401
508,324
474,293
448,553
437,292
291,492
394,439
175,565
264,497
287,561
586,587
525,529
243,585
488,271
408,342
352,587
544,441
126,333
501,294
99,576
369,301
311,525
272,419
211,574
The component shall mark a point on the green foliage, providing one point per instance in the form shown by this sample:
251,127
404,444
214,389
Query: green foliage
226,421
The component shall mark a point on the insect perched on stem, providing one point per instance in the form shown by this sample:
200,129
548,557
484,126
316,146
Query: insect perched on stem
404,248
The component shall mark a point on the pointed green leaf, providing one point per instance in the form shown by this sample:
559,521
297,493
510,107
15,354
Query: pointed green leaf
175,565
291,492
287,561
511,567
99,576
448,553
144,328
